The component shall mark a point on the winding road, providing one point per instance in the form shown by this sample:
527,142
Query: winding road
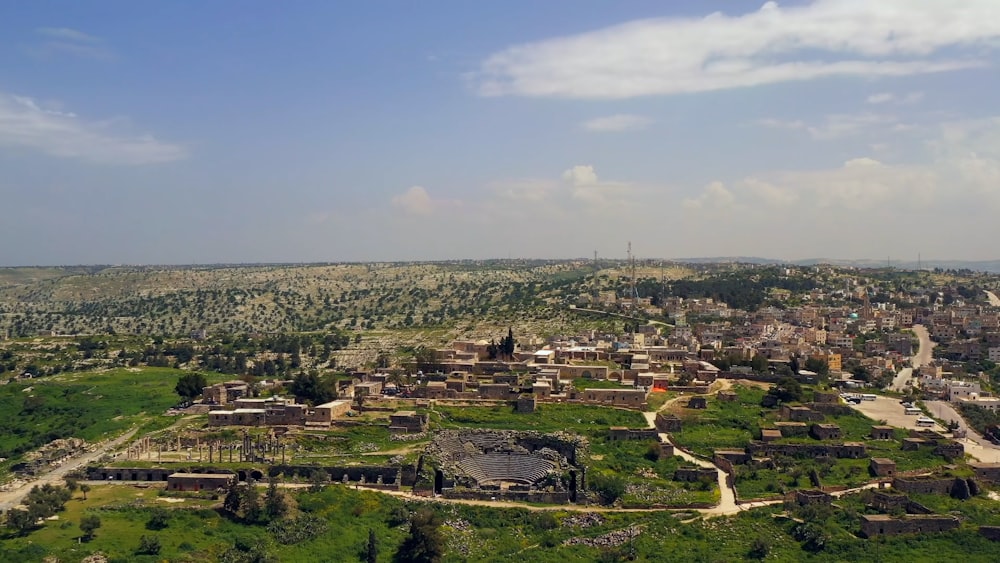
12,498
993,299
923,356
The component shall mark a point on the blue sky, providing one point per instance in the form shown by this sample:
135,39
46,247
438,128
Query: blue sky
324,131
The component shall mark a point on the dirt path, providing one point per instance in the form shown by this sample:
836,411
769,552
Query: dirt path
727,499
10,499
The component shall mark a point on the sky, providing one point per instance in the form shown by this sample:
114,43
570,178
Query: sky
236,132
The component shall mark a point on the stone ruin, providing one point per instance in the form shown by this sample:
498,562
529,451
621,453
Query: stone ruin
507,464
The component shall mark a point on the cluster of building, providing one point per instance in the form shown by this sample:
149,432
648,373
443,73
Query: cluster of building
275,411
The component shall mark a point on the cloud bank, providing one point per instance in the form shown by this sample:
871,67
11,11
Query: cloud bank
773,44
24,123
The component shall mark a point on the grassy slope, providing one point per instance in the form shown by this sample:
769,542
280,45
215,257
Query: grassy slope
83,405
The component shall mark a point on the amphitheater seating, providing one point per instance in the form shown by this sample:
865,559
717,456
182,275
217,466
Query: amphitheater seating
513,467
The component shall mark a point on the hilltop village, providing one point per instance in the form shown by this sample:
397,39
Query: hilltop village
868,393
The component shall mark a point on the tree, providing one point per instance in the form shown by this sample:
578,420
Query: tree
158,519
84,488
759,363
274,502
309,387
234,498
19,520
317,480
818,365
89,523
787,390
148,545
250,503
425,543
610,487
371,550
72,485
190,385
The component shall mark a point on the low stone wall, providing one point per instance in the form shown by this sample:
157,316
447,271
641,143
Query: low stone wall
880,525
545,497
851,451
991,533
374,475
666,423
936,486
138,473
692,474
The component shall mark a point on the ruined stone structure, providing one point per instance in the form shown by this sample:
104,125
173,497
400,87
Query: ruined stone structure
526,404
987,471
852,450
667,422
632,398
506,464
277,412
882,467
697,403
623,433
770,434
825,431
883,432
805,497
799,414
199,481
694,473
407,422
885,525
792,429
924,485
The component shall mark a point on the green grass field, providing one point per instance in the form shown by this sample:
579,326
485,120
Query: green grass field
196,532
583,419
90,405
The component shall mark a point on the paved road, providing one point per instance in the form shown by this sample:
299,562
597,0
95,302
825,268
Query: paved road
994,300
10,499
923,356
975,445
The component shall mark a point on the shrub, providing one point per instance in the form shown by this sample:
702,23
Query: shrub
148,545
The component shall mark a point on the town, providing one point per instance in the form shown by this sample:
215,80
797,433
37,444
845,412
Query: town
867,390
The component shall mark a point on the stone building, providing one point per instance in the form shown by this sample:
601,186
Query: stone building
199,481
825,431
407,422
883,432
884,525
882,467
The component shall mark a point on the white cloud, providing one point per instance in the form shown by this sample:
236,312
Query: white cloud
842,125
67,34
880,98
889,97
581,175
714,196
774,44
67,41
26,124
772,123
414,201
619,122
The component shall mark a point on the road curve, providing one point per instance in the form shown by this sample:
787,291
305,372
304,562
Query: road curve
993,299
10,499
922,357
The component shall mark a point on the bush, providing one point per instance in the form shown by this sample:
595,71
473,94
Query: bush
298,530
158,519
148,545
